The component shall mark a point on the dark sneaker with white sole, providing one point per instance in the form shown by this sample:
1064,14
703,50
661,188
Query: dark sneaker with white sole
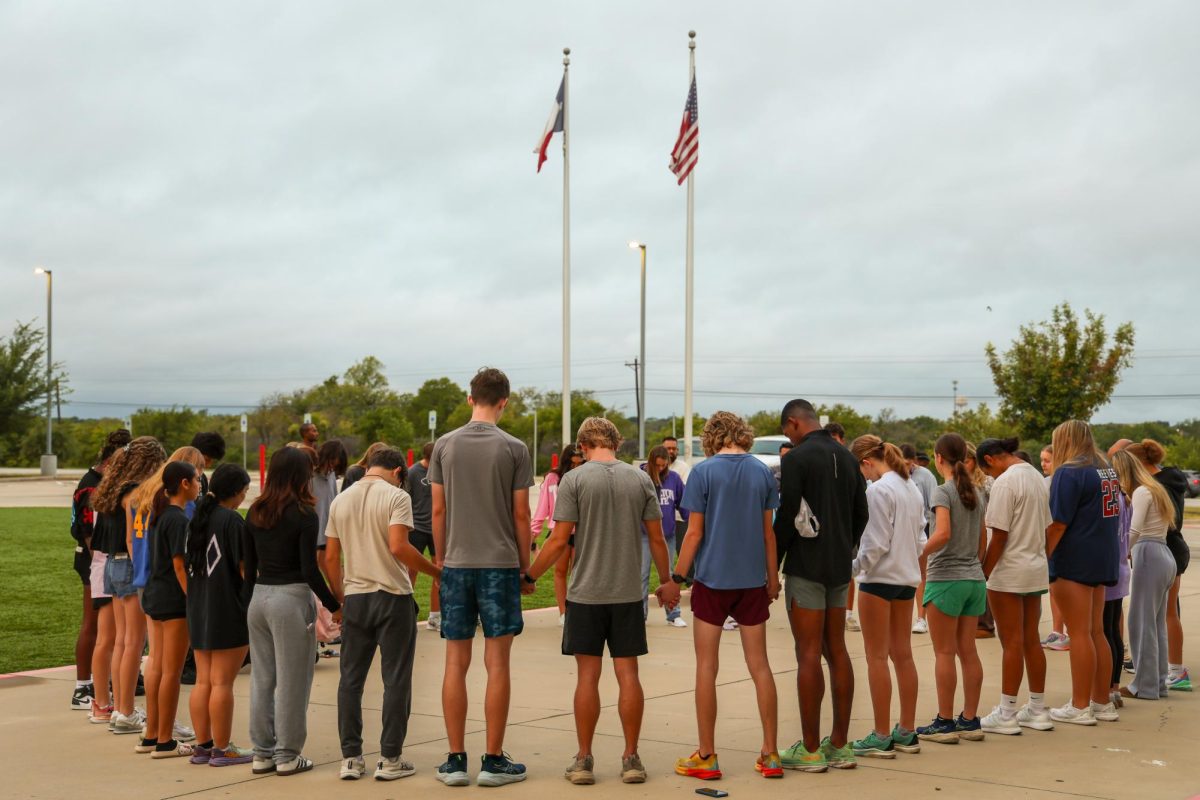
453,771
500,770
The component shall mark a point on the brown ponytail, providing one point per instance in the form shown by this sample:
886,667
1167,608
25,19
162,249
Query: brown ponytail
953,450
1149,452
871,446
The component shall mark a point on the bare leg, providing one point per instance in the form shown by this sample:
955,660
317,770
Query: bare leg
1009,611
1102,671
174,650
153,677
754,647
707,641
1174,625
808,633
496,653
943,632
454,693
102,654
1075,604
201,697
972,669
875,617
85,642
1058,622
631,703
900,648
1035,657
222,673
118,656
131,654
841,674
587,700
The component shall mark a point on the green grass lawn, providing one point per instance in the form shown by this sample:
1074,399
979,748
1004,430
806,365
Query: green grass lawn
41,596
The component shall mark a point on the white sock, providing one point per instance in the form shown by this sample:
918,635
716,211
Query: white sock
1008,704
1037,701
82,684
1175,670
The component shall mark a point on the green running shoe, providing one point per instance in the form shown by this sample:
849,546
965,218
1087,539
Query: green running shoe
838,757
874,746
905,741
798,758
1181,682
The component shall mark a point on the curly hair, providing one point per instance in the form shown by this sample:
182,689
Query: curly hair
598,432
131,464
725,429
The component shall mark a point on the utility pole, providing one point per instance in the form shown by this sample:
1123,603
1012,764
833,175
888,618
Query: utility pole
636,366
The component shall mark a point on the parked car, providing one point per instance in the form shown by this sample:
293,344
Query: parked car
1193,482
766,449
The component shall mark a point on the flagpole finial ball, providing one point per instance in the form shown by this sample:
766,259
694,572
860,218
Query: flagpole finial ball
691,34
566,51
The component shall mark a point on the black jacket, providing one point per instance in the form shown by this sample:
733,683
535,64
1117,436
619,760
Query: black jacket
825,474
1175,482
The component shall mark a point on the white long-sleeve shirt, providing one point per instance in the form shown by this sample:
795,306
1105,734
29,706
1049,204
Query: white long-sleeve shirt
890,549
1147,522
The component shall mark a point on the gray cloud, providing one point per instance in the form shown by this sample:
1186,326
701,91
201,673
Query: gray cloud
239,198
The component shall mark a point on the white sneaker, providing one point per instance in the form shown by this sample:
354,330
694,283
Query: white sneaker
1105,712
562,620
852,623
133,723
182,733
1034,720
920,626
389,769
677,623
999,722
352,768
434,623
730,624
1073,715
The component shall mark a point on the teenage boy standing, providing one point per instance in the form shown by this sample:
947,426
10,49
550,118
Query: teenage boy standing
730,496
370,522
605,503
822,478
480,478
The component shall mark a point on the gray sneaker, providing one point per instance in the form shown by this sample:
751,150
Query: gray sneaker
580,772
632,770
389,769
352,768
133,723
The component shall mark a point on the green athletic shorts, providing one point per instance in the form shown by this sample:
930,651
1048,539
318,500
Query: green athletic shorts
957,598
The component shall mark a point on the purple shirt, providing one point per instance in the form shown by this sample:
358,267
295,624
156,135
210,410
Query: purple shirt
1122,587
670,500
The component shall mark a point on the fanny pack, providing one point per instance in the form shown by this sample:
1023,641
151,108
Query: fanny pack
807,524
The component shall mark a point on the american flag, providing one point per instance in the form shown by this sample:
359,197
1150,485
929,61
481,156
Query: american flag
687,146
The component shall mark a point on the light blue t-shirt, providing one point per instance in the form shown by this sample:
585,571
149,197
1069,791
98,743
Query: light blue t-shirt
732,491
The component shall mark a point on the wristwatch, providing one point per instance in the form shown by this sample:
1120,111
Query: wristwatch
525,576
677,578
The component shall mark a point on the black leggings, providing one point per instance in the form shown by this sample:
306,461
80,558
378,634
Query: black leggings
1112,632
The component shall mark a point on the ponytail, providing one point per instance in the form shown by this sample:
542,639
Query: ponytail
953,450
871,446
228,481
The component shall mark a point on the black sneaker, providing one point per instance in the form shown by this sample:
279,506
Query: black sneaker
140,691
454,771
499,770
82,699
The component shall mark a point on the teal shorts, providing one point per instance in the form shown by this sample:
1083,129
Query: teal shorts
957,598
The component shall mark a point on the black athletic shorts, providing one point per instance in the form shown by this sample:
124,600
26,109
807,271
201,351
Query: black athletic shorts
588,628
422,541
1179,548
83,565
888,591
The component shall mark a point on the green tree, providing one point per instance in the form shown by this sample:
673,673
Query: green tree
980,423
441,395
1059,369
385,424
23,384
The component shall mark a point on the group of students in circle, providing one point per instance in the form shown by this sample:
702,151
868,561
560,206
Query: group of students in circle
995,533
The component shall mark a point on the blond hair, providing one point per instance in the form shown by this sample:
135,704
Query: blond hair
1074,446
143,496
1132,473
598,432
978,476
871,446
725,429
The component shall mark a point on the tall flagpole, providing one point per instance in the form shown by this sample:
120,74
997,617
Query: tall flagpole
567,437
688,314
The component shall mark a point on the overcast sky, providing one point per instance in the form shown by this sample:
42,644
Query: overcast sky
239,197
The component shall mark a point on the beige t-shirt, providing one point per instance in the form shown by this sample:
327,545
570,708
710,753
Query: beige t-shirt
1020,505
359,518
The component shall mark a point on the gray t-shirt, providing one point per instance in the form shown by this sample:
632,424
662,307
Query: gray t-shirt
608,502
959,559
480,466
925,481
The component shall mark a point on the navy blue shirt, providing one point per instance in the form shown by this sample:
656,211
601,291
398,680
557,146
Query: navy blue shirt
732,491
1085,499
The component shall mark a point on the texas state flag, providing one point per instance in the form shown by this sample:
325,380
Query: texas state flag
553,125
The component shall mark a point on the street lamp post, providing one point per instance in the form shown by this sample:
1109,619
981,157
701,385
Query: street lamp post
49,460
642,359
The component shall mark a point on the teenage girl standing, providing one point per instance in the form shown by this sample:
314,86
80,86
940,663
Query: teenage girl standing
216,614
955,592
1083,549
1018,512
282,576
888,569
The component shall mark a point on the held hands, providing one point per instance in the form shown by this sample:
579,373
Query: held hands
773,587
526,586
667,594
337,616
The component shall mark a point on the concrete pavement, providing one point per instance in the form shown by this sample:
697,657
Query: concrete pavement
1150,753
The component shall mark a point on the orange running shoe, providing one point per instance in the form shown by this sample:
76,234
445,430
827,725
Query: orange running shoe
706,769
769,765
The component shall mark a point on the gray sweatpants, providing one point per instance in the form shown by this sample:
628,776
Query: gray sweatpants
1153,574
283,646
387,621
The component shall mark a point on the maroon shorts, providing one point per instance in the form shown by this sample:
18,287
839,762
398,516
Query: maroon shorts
746,606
